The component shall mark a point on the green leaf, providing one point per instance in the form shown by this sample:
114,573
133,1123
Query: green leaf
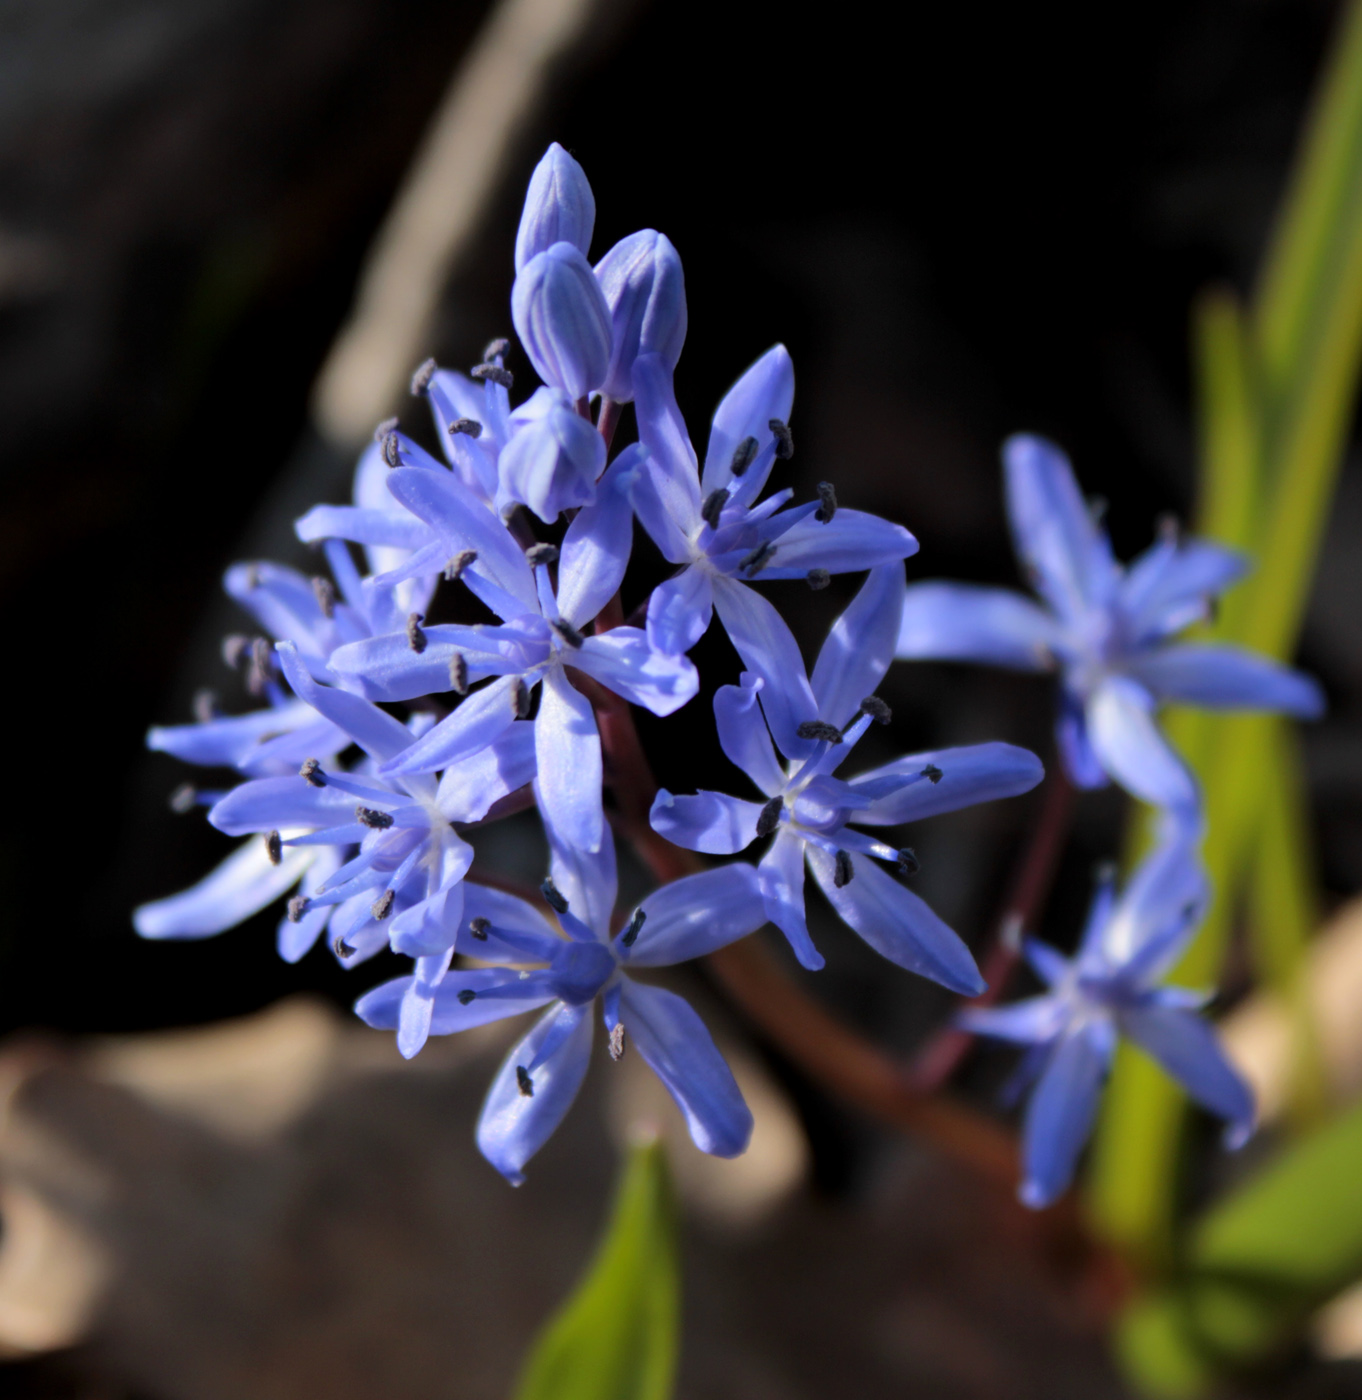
1255,1269
616,1337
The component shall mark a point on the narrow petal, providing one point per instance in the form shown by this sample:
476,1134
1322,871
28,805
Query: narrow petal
697,914
851,541
469,787
597,545
568,755
1130,747
245,883
381,1007
897,924
624,660
1074,743
743,735
386,669
515,1125
705,821
1159,910
1226,677
376,732
678,1049
393,528
1171,585
680,610
859,647
963,622
431,926
273,804
293,938
971,774
480,720
586,879
662,431
1035,1021
765,391
226,742
782,890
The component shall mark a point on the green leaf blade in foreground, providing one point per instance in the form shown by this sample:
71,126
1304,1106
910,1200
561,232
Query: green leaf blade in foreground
617,1336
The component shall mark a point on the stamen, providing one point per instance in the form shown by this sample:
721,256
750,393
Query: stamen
388,425
454,569
262,657
526,1084
844,871
234,648
617,1040
553,896
416,639
769,817
274,847
520,698
297,907
311,773
343,949
495,349
630,935
932,773
873,706
466,995
538,554
818,579
743,455
205,706
184,799
458,673
821,730
253,576
383,905
759,558
827,502
784,439
373,818
420,380
392,450
478,928
568,633
325,591
713,507
498,374
909,864
471,426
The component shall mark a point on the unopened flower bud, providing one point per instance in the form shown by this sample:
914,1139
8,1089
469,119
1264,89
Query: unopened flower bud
562,320
551,464
646,293
559,207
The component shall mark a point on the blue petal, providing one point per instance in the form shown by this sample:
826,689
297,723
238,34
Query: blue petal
431,925
765,391
395,529
859,647
386,669
1074,743
697,914
381,1007
1061,1112
670,514
1035,1021
294,938
678,1049
781,873
743,735
586,879
1170,586
662,431
1130,747
229,741
376,732
623,660
680,610
562,320
529,936
1159,910
552,465
1225,677
597,545
851,541
514,1126
972,774
897,924
568,753
559,207
283,602
245,883
274,804
646,292
479,720
468,788
711,822
962,622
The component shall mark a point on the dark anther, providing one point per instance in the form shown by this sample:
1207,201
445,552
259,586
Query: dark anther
382,906
274,847
184,799
568,633
821,730
909,864
522,1078
769,817
373,818
520,698
205,706
818,579
538,554
253,576
325,591
471,426
498,374
932,773
713,507
311,773
630,935
827,502
297,907
454,569
784,439
844,871
553,897
873,706
466,995
416,639
458,673
388,425
743,454
617,1040
234,648
478,928
392,450
759,558
495,349
420,380
343,949
262,657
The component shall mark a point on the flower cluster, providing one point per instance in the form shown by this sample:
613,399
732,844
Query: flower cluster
382,737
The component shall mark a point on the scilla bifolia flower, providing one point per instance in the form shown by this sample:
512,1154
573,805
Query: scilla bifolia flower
646,292
562,320
559,207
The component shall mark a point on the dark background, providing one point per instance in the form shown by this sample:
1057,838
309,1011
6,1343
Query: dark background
963,220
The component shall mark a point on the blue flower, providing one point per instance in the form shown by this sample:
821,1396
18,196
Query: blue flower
562,319
711,525
815,724
565,973
559,207
646,292
1106,629
1106,990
